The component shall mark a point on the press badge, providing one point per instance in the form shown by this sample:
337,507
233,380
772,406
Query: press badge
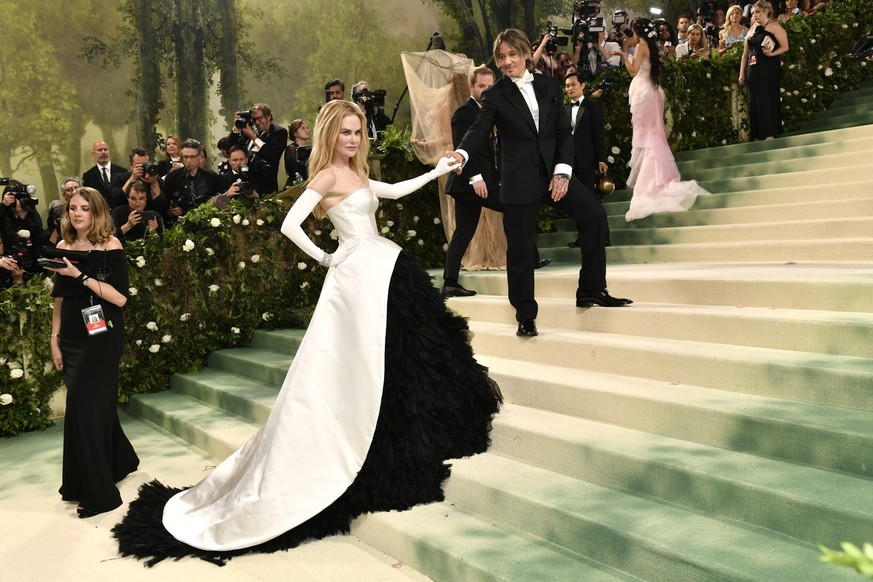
95,321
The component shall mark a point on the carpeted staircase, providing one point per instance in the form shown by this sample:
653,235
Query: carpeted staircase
718,429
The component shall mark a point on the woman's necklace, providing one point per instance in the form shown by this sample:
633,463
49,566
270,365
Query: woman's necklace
82,243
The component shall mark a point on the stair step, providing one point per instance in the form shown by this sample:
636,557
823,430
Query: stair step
821,287
802,376
265,366
447,543
641,536
800,330
727,152
239,396
214,431
806,503
823,436
283,341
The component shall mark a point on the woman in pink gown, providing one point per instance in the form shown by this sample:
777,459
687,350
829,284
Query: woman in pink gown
654,177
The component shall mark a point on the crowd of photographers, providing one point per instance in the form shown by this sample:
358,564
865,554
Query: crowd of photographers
147,196
590,45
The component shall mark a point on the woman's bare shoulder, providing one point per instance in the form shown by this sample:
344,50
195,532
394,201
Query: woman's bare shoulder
62,244
323,182
113,244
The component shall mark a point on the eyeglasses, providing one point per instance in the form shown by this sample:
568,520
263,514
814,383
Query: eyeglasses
71,189
194,157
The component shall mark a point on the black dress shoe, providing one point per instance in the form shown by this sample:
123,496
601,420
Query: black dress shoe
542,263
527,328
574,244
601,298
456,291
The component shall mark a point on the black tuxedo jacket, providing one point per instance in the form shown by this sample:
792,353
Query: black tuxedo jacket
214,183
526,154
275,140
481,160
93,179
589,141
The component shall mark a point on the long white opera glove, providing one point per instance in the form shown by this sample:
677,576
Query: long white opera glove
291,228
400,189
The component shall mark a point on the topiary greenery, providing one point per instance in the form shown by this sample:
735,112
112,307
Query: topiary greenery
851,557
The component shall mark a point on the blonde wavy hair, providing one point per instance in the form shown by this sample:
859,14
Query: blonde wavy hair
102,227
327,130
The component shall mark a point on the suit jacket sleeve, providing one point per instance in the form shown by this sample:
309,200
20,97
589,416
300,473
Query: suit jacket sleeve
274,146
474,138
462,120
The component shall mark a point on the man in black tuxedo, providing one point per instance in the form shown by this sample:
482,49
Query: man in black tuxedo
536,167
589,136
100,176
476,186
265,143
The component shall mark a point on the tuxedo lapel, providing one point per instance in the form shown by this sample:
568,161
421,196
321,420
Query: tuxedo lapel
516,99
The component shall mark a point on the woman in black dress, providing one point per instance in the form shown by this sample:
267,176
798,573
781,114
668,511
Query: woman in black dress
87,340
759,70
296,164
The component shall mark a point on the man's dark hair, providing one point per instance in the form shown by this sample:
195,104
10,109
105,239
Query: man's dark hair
580,78
330,84
137,152
222,144
138,187
237,148
264,109
192,143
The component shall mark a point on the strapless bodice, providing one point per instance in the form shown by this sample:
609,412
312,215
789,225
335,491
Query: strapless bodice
355,216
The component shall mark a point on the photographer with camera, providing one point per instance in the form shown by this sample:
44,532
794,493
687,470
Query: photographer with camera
10,271
142,170
237,179
191,185
265,143
372,103
133,221
20,224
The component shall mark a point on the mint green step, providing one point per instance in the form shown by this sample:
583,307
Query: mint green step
241,397
646,538
727,152
215,431
449,544
817,286
265,366
802,330
830,437
803,376
806,503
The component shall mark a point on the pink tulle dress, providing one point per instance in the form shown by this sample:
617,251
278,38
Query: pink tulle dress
654,177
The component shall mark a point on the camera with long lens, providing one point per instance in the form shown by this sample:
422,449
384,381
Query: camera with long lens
620,17
22,192
150,168
244,121
244,183
186,198
369,100
556,40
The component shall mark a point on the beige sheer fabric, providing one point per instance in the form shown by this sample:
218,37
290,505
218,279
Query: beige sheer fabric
438,84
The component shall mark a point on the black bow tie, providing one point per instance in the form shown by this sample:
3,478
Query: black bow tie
576,104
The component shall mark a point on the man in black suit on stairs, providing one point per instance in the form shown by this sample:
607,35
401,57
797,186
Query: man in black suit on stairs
101,174
475,187
536,167
589,136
